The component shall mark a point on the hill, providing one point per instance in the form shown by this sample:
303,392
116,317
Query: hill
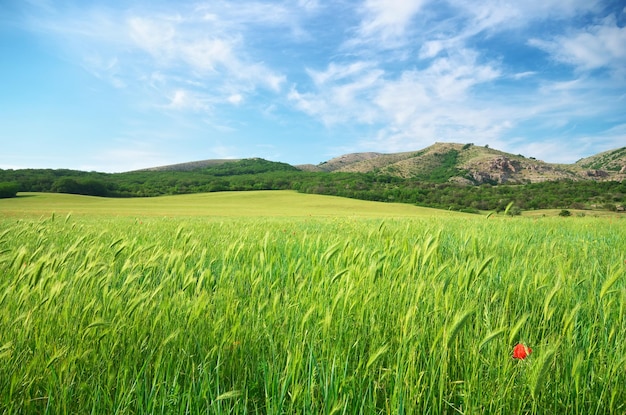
612,161
225,167
192,165
470,164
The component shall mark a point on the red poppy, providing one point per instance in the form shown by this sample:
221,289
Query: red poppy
521,351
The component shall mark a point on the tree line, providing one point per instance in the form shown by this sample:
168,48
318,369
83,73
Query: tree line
259,174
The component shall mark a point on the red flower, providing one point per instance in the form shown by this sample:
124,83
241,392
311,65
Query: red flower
521,351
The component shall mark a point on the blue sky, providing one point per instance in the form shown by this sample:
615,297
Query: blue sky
120,85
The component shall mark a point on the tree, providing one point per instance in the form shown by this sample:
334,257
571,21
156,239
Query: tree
8,189
93,187
88,187
65,185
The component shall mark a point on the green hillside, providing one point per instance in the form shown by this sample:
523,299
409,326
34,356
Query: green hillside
612,160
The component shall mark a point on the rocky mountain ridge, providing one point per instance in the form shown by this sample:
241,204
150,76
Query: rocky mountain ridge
471,164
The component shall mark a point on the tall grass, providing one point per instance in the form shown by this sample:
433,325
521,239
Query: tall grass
305,315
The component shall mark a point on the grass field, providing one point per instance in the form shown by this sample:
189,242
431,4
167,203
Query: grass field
274,303
225,204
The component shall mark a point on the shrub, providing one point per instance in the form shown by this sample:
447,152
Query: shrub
565,213
8,189
610,206
514,211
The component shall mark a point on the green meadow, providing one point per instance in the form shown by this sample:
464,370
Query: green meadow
282,303
282,203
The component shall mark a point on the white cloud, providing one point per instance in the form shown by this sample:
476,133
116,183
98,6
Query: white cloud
416,102
315,106
336,72
235,99
492,17
417,114
201,53
105,69
596,46
309,5
207,54
451,78
195,58
552,150
403,99
498,15
431,48
344,92
388,16
521,75
245,16
186,100
155,37
386,22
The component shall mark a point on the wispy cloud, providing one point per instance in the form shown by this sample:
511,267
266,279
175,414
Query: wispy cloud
183,45
413,107
186,100
595,46
196,44
496,16
384,75
386,22
579,146
522,75
489,18
107,69
342,93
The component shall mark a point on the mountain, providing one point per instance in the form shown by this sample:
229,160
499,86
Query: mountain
470,164
441,162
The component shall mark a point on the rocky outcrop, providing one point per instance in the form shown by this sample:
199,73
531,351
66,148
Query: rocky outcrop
504,165
480,177
499,170
540,168
597,174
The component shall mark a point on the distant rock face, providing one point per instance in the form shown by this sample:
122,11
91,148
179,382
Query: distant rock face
540,168
597,173
480,177
504,165
623,170
499,171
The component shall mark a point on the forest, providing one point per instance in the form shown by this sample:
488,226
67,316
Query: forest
259,174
